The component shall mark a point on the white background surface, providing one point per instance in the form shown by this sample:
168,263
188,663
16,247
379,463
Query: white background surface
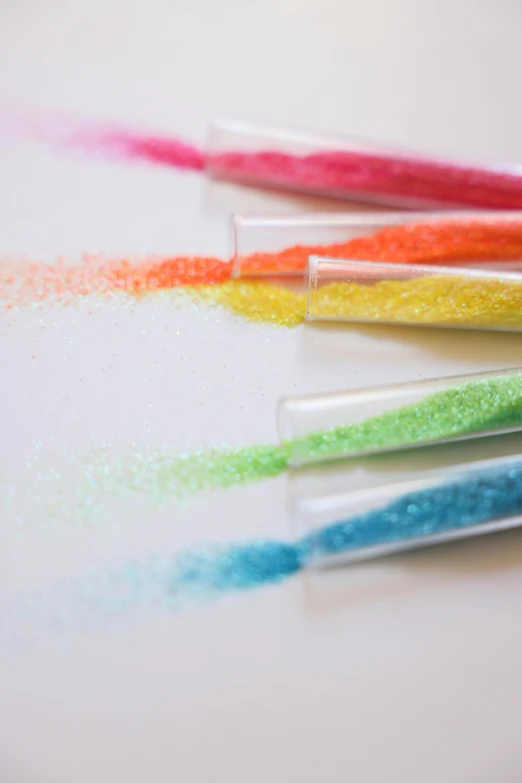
407,670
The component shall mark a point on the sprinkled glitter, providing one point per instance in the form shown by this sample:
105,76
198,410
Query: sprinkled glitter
90,486
27,283
257,301
448,300
23,283
383,178
166,583
379,176
112,142
237,567
488,494
472,407
158,274
87,486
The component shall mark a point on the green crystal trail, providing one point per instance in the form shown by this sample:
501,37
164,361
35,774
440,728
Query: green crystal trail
473,407
86,485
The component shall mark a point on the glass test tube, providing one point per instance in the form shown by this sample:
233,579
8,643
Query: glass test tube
275,245
375,292
361,171
337,425
440,506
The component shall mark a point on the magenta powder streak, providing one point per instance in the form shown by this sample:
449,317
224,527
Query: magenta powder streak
60,130
405,181
380,177
131,146
401,180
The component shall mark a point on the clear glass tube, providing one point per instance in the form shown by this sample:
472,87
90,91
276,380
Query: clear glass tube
374,292
435,507
275,245
361,171
338,425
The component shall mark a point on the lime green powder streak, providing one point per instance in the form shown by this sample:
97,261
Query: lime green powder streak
86,486
473,407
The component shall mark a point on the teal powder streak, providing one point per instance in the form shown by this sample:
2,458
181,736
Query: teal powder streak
207,572
484,495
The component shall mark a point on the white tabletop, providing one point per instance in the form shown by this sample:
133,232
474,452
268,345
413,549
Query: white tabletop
405,670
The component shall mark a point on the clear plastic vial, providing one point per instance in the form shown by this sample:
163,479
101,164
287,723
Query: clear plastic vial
440,506
376,292
275,245
337,425
360,171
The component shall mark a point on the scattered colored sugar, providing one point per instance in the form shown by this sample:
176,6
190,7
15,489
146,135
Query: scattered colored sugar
437,242
447,300
385,178
107,594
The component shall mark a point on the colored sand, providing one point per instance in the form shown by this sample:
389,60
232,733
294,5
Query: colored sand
448,300
471,499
